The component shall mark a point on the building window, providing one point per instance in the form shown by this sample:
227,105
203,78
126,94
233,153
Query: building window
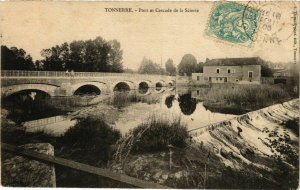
236,80
209,79
250,74
198,77
218,70
217,78
228,70
198,92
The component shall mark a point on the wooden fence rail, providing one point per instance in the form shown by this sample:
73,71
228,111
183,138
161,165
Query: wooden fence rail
81,167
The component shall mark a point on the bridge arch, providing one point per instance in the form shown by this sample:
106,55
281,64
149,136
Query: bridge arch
92,87
171,83
9,90
144,86
123,85
160,83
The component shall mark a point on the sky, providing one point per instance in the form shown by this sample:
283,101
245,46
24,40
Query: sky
34,26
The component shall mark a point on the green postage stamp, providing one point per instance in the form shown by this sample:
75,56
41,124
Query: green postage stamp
234,23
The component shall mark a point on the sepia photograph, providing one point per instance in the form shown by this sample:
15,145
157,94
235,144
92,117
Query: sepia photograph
150,94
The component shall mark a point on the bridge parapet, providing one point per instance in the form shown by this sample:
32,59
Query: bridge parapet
61,74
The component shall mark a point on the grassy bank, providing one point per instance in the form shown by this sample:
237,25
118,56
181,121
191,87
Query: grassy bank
244,97
157,134
154,135
123,99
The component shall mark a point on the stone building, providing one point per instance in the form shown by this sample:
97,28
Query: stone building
230,70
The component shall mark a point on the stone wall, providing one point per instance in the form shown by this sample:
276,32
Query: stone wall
18,171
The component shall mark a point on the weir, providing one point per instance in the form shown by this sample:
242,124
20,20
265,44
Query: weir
249,131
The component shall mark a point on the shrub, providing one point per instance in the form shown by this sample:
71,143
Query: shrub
90,139
293,125
122,99
157,134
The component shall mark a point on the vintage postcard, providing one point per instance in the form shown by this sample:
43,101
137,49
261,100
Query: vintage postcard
141,94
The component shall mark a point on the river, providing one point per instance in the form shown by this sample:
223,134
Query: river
125,110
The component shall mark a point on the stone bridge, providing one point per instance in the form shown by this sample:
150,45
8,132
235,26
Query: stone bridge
67,84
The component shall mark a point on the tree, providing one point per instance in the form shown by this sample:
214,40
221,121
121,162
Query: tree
199,67
149,67
170,68
266,71
76,58
95,55
15,59
115,56
187,65
55,57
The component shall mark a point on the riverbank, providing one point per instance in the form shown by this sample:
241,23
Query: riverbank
255,150
240,99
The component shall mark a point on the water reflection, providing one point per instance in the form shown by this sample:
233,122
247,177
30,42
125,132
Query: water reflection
143,88
169,101
158,86
187,104
169,104
134,106
27,105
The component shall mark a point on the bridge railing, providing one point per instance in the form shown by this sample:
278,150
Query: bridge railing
19,73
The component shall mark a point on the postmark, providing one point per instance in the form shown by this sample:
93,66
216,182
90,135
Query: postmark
229,23
275,25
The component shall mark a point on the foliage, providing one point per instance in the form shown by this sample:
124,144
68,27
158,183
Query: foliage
252,96
293,125
199,67
147,66
266,71
15,59
91,138
187,65
283,151
122,99
170,68
281,146
96,55
157,134
14,134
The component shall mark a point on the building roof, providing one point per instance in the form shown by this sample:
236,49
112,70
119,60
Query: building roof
234,61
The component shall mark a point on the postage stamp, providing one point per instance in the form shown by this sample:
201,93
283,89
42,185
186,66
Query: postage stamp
231,23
